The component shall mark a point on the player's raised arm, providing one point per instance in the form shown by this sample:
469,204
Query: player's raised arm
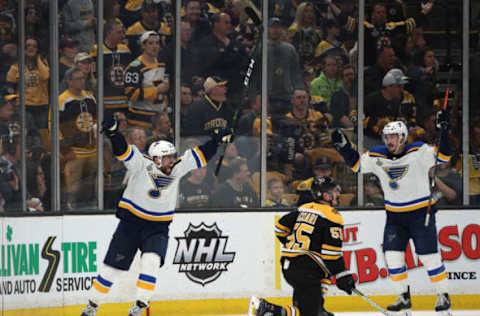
343,146
110,127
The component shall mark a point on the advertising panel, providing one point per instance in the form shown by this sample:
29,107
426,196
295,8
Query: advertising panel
51,261
458,234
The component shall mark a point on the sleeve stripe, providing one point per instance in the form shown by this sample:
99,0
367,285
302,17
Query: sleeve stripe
356,166
199,157
127,155
333,248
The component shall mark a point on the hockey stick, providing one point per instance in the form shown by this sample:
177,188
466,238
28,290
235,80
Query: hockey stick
359,293
432,178
371,302
246,82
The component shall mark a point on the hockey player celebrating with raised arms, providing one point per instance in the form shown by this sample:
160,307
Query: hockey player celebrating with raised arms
403,171
311,253
145,211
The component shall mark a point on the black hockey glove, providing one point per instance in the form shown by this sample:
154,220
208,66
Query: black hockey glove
339,139
110,126
443,119
222,135
346,283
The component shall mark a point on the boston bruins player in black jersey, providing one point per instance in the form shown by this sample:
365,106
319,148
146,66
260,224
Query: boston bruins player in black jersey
311,253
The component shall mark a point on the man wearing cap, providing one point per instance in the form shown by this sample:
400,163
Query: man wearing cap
83,61
212,111
68,50
391,103
151,20
322,168
218,54
116,57
146,83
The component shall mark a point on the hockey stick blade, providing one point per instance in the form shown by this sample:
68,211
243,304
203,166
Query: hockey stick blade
371,302
253,15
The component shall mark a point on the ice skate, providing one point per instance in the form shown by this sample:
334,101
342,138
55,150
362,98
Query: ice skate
260,307
90,310
442,306
402,305
137,309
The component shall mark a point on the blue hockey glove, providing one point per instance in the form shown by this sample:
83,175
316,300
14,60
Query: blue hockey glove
339,139
346,283
222,135
443,119
110,126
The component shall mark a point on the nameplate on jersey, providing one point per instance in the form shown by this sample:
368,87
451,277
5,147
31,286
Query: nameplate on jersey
395,174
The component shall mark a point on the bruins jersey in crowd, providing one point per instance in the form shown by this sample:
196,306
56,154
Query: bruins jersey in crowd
313,230
115,62
141,79
314,126
381,36
78,117
206,115
134,32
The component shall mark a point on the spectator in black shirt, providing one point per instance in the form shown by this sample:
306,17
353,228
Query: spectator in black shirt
236,191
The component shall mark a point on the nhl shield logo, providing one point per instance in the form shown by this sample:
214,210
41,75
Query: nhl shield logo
202,253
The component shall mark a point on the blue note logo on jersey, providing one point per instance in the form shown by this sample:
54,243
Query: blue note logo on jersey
395,174
160,182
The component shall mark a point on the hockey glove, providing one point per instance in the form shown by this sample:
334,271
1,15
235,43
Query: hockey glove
110,126
222,135
443,119
346,282
339,139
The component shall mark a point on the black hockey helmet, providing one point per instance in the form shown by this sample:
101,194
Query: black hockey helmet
322,185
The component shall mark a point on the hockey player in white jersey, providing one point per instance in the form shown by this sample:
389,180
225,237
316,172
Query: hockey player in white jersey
145,211
403,171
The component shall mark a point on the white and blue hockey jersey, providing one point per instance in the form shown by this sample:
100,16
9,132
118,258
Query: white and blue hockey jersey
151,194
404,179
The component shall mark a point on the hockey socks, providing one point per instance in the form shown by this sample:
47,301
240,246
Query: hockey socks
149,269
103,283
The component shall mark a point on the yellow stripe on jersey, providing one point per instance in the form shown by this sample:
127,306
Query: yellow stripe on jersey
142,214
356,166
407,207
126,154
281,231
201,157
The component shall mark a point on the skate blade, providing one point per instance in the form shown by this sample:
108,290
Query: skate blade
401,313
253,305
445,313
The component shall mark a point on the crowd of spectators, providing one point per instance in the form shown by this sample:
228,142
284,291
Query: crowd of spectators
311,82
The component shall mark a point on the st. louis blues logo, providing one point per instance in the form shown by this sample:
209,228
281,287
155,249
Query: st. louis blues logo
160,182
395,174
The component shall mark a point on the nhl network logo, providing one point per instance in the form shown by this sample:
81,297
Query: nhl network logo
202,254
